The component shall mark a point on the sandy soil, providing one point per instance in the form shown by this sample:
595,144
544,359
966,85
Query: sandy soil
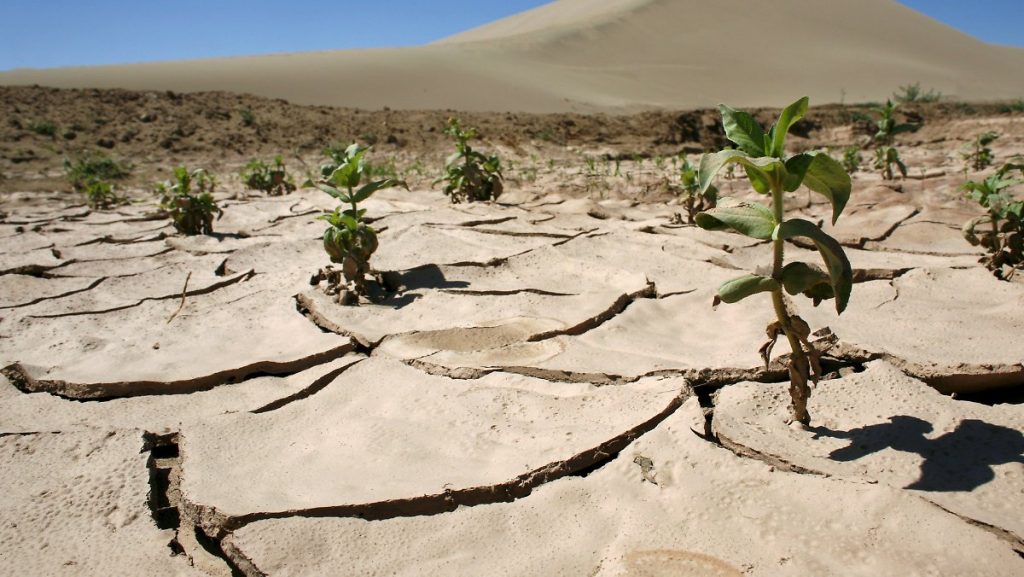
548,391
586,56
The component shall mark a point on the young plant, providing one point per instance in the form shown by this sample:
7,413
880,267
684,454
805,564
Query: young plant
762,156
88,167
1004,239
188,201
852,159
886,154
349,240
272,179
695,200
914,93
469,175
100,195
977,155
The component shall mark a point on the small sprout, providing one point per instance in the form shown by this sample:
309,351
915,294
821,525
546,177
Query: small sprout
100,195
977,155
886,154
914,93
43,127
1004,239
694,199
248,118
349,240
852,159
763,158
469,175
88,167
191,211
272,179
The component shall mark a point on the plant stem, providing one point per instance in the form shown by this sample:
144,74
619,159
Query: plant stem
799,367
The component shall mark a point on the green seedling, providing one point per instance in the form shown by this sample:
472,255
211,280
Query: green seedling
852,159
914,93
349,240
1004,237
272,178
762,156
100,195
977,155
886,154
470,175
89,167
248,118
694,199
43,127
188,201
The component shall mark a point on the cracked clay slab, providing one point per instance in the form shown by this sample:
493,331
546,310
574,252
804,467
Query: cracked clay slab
881,426
385,434
711,513
76,504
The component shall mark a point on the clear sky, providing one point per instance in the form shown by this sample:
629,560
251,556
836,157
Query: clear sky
48,33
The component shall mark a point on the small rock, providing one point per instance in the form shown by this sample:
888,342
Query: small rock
105,143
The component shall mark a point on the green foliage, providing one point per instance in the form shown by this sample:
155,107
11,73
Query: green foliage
88,167
1004,239
852,159
272,178
100,195
694,199
914,93
977,155
248,118
1015,106
43,127
886,154
771,172
349,240
187,199
470,175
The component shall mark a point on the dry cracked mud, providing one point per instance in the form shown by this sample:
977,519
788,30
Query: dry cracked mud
545,390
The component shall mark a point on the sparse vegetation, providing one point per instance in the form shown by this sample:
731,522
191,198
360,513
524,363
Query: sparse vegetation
852,159
977,155
88,167
43,127
100,195
694,198
762,155
248,118
470,175
1004,239
188,200
914,93
270,178
349,240
886,154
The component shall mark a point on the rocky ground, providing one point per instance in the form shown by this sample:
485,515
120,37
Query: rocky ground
548,392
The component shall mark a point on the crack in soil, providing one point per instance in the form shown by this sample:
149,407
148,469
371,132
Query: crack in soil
101,392
620,305
581,464
308,391
91,286
239,278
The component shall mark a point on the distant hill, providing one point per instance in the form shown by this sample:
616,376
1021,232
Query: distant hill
614,55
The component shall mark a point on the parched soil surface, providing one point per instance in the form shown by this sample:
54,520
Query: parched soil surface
543,388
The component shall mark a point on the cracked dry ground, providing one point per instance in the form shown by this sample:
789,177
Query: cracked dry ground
548,393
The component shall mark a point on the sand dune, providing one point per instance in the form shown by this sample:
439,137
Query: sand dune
580,55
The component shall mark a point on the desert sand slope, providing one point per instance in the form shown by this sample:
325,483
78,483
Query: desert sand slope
605,55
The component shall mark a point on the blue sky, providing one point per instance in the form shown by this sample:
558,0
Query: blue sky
78,32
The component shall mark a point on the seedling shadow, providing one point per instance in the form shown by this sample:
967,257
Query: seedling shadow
401,286
960,460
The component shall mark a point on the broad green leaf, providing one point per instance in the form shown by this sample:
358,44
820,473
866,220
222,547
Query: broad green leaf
820,173
711,164
740,288
758,180
750,219
741,128
802,278
342,196
838,265
452,158
370,188
792,113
